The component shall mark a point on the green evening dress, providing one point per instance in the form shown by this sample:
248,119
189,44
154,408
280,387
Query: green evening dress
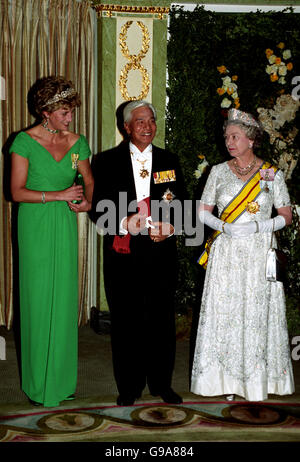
48,268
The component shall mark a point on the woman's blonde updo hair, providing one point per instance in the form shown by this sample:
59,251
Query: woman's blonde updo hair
51,93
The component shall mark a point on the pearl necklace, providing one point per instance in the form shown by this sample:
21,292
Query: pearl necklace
244,170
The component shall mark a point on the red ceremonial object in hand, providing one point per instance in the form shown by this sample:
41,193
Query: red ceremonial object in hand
121,244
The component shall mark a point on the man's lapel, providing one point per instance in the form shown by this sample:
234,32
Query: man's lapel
155,167
126,172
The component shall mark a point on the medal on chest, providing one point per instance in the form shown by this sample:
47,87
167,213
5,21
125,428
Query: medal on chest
144,172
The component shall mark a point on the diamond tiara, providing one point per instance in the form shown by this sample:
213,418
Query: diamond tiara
60,96
244,117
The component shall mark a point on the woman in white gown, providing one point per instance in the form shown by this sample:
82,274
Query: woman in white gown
242,344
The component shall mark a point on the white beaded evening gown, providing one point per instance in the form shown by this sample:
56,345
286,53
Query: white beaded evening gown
242,344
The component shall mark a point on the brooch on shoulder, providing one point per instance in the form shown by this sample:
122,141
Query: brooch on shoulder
267,175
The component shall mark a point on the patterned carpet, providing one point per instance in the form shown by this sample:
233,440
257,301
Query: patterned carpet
193,421
94,416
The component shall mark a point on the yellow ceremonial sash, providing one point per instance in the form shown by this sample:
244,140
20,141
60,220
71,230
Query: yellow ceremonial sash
235,208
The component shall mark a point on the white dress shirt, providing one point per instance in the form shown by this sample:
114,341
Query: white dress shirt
140,160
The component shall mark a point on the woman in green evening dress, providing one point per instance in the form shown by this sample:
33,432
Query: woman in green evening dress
45,160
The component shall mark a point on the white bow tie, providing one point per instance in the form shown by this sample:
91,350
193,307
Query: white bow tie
141,156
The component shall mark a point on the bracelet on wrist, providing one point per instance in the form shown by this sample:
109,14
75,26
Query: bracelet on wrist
43,197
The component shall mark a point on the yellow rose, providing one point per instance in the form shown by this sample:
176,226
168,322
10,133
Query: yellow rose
281,45
277,61
273,77
220,91
237,103
289,66
222,69
269,52
234,78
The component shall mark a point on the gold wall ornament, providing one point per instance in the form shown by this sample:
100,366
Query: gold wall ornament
108,9
134,62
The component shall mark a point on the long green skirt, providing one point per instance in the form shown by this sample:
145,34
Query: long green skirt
48,301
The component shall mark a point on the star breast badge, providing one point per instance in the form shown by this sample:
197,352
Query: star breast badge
253,207
168,196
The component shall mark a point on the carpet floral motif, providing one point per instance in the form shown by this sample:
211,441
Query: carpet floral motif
172,423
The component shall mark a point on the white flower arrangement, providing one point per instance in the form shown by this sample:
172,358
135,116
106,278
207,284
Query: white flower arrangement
228,89
201,167
284,111
273,121
277,67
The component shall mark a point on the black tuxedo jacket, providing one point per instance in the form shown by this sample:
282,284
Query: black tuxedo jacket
140,285
113,175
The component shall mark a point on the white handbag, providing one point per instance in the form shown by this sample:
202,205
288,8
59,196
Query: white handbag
276,263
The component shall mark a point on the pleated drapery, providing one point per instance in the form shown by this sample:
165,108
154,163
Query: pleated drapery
40,38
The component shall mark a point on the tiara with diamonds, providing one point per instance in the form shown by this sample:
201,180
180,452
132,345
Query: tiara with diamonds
60,96
244,117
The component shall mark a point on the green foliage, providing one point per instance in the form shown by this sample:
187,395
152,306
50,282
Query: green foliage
199,42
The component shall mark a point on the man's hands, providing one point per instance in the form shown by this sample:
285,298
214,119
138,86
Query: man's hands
161,231
157,231
135,223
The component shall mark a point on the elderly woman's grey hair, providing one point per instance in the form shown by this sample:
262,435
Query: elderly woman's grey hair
130,107
253,133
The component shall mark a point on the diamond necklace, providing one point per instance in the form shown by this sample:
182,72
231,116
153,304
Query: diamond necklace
45,125
244,170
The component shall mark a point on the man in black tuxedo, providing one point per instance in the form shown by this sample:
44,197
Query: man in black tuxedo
140,258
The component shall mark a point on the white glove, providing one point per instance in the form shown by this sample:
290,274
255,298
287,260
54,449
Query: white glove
240,229
267,225
210,220
244,229
236,230
231,229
